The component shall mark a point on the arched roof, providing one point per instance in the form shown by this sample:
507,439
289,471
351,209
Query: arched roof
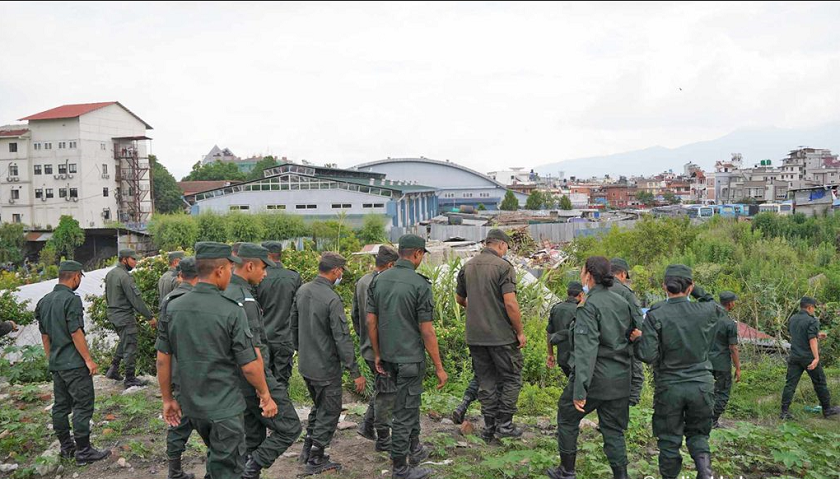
432,162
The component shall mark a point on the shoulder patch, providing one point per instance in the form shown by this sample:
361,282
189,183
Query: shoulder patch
233,301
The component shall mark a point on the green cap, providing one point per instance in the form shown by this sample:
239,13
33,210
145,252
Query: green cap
412,242
255,251
70,265
213,250
497,234
273,247
330,260
574,288
727,296
386,254
807,301
175,255
618,264
679,271
188,267
129,253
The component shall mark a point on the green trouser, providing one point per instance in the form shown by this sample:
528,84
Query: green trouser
723,386
285,427
682,409
281,361
73,392
408,378
499,372
382,402
637,381
225,441
613,417
326,409
794,373
127,348
177,437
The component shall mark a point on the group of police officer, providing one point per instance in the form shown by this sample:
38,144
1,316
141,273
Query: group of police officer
232,318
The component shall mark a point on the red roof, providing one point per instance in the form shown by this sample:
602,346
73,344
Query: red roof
13,132
75,111
745,331
192,187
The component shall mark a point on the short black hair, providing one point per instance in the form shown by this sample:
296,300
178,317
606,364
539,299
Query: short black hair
599,268
408,252
677,284
67,275
206,266
187,276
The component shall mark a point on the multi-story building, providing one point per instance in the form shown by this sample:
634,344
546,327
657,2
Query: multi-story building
88,161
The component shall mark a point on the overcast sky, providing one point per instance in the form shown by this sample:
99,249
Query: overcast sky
486,85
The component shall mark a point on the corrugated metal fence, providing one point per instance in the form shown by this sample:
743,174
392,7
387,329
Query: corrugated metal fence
553,232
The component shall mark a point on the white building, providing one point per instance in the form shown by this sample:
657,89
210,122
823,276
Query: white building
88,161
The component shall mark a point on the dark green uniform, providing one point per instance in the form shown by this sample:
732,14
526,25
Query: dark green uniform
176,437
285,426
803,327
637,382
167,283
276,294
726,335
676,338
483,281
59,315
402,299
601,371
209,336
561,317
123,298
322,339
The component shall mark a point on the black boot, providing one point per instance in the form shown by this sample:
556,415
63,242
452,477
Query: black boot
489,431
86,454
131,380
252,469
366,429
831,411
566,469
670,465
703,463
68,446
305,452
619,472
383,440
506,428
785,414
320,462
460,412
416,452
175,471
404,471
114,370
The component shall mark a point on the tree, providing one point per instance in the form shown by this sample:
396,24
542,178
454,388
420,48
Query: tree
165,188
173,232
373,229
257,172
216,171
670,198
565,203
509,203
481,207
11,242
645,197
67,237
536,200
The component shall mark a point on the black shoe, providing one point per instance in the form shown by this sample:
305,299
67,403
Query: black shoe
460,412
86,454
68,446
831,411
383,440
306,451
506,428
489,431
785,414
175,471
320,462
416,452
114,371
566,469
131,380
366,429
252,469
703,463
404,471
619,472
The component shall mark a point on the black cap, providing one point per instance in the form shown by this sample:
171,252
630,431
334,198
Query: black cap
187,267
330,260
497,234
412,242
213,250
727,296
70,265
619,264
574,288
128,253
255,251
175,255
807,301
679,271
273,247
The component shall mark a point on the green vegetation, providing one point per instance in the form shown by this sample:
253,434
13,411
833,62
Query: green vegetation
11,242
257,172
645,197
67,237
216,171
509,202
165,188
565,203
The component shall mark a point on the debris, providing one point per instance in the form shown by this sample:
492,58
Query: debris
586,423
8,467
447,422
344,425
123,463
467,428
110,417
133,389
435,416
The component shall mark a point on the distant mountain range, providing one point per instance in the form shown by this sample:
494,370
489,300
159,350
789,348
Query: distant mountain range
754,144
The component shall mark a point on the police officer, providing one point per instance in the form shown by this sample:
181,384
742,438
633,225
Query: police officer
123,298
600,379
323,342
169,280
61,322
561,317
208,335
400,311
262,449
177,436
804,329
276,293
723,353
487,289
676,337
621,271
376,425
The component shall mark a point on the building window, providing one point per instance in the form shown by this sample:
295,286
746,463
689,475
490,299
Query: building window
37,169
15,194
341,206
106,214
62,192
306,207
62,168
104,169
467,195
105,192
39,193
49,193
47,169
73,145
48,146
72,167
36,146
16,218
239,207
13,170
74,192
373,205
275,207
62,145
102,146
12,147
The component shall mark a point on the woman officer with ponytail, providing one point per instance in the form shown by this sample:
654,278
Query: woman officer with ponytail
676,337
